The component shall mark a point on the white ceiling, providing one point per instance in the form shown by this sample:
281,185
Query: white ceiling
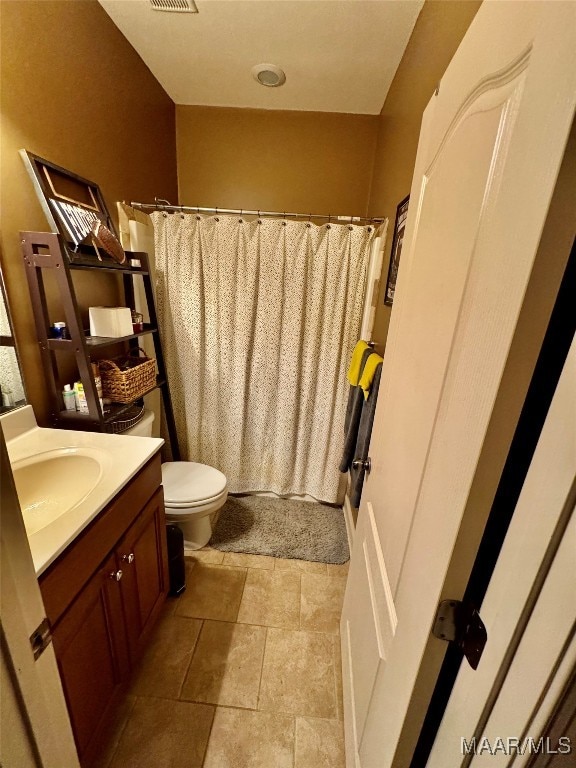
338,55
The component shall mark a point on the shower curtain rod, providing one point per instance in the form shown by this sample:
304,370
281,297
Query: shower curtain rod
164,205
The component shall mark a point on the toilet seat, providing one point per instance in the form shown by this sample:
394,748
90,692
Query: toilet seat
193,504
189,484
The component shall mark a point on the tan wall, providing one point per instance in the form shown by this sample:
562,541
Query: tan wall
76,93
436,36
301,162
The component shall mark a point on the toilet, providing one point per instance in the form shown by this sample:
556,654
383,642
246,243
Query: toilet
193,493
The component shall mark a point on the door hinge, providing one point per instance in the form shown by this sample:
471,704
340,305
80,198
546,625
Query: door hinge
41,638
460,623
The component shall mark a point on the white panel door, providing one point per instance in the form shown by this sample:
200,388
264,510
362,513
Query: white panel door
491,145
35,728
539,549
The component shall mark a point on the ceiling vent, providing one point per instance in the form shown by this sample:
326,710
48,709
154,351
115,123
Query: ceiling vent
176,6
269,75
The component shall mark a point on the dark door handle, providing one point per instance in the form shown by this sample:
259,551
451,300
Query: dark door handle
365,464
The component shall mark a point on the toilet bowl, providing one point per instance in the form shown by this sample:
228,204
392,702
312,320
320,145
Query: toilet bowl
193,493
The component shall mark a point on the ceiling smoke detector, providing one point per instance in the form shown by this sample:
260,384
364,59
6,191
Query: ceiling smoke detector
269,75
176,6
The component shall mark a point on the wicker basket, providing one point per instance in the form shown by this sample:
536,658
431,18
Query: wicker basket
127,378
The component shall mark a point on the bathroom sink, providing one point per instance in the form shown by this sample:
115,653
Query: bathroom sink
52,483
66,477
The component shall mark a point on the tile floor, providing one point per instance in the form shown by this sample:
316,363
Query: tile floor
243,670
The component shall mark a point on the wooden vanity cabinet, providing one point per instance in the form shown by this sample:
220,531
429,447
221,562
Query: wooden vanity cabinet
101,614
92,653
143,582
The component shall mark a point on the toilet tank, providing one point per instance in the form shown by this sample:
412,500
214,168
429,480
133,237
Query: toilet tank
144,426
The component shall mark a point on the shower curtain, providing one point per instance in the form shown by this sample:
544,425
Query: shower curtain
258,321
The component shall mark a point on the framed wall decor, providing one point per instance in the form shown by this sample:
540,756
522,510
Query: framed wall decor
399,228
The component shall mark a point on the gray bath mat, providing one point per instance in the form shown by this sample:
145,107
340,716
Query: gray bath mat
299,530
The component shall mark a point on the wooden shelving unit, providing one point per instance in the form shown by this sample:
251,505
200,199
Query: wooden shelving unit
47,251
72,205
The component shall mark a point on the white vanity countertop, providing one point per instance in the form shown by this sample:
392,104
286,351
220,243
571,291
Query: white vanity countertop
120,458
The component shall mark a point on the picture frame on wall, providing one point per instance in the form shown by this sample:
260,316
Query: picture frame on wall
398,238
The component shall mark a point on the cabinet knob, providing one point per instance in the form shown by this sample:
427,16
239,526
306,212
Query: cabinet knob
128,558
116,575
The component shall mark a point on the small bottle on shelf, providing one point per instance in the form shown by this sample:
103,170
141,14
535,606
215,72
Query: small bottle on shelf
59,331
137,321
81,401
69,398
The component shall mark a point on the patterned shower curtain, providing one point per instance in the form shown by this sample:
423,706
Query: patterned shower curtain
258,322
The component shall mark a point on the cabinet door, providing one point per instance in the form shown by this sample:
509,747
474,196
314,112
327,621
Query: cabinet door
142,556
90,646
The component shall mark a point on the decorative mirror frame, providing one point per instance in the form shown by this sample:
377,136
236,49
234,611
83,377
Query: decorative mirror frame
10,342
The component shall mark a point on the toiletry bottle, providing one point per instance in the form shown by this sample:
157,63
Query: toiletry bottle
81,401
69,397
137,321
59,331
